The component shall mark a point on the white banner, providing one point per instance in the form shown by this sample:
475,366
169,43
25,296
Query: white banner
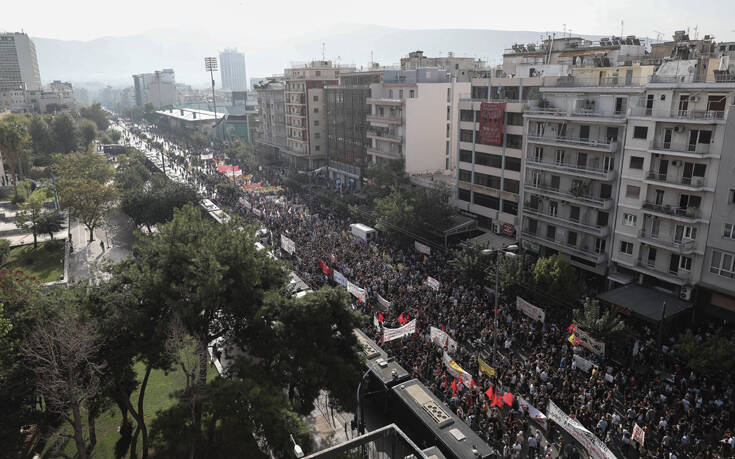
595,346
257,212
425,249
376,322
441,339
246,203
383,302
583,364
339,278
594,446
389,334
236,173
530,310
433,283
203,157
533,412
357,291
287,244
457,371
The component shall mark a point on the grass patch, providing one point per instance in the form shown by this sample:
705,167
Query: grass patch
45,263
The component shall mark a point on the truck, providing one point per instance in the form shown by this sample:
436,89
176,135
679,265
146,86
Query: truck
364,232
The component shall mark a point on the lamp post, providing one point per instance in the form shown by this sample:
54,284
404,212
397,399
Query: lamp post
210,65
497,292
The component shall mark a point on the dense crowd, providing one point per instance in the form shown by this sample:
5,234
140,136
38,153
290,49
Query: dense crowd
682,413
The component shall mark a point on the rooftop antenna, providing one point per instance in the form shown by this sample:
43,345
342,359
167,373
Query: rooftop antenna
621,28
564,29
696,31
324,51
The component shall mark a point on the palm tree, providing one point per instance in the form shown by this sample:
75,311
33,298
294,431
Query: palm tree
602,325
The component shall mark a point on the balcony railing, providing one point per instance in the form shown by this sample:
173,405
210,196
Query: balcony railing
384,135
680,245
580,250
598,230
682,277
600,174
385,153
693,182
681,147
706,115
589,200
385,118
384,101
606,145
674,211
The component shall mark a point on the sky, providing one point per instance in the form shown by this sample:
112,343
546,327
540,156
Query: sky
257,22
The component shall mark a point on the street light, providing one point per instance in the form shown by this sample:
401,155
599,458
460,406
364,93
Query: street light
297,451
487,252
210,65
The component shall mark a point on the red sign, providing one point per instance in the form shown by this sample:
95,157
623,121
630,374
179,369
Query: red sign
508,229
491,123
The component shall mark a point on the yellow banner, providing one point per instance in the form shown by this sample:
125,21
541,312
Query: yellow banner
484,367
571,338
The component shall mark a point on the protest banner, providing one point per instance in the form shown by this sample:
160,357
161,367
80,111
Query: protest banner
287,244
639,434
389,334
204,157
583,364
595,346
485,367
433,283
383,302
533,412
356,291
339,278
422,248
594,446
530,310
442,339
457,371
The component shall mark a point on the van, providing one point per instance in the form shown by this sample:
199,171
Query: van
364,232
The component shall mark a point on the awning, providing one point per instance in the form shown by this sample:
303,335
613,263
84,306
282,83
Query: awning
646,302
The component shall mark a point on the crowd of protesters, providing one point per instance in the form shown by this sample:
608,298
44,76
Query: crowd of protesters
682,413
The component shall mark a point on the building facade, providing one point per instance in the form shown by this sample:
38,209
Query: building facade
158,88
270,137
459,68
232,70
18,62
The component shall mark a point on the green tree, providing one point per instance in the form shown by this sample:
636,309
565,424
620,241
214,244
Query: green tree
155,202
709,356
30,215
131,174
96,114
606,326
13,139
395,214
4,250
64,133
40,135
471,263
556,277
85,186
431,208
87,133
50,222
114,135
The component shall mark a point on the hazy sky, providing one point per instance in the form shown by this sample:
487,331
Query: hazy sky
274,20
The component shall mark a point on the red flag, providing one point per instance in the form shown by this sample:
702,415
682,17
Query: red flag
445,382
380,317
325,269
570,328
402,320
454,386
508,398
442,327
408,318
489,392
497,401
576,342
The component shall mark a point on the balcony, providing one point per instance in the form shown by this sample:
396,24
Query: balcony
687,183
576,142
685,213
384,101
696,150
680,277
599,231
707,116
388,153
571,169
385,119
682,246
591,201
586,115
582,251
384,135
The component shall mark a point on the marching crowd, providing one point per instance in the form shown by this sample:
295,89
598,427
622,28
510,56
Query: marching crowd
683,414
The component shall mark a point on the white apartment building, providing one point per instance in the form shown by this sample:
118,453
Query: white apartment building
232,70
158,88
18,62
413,119
271,133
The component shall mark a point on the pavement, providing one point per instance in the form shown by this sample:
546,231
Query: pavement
87,259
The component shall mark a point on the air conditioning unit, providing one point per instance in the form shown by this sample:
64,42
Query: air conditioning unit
685,293
679,128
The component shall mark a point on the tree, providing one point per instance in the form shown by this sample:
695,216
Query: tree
4,250
97,114
155,202
30,215
557,278
114,135
85,186
50,223
13,139
606,326
471,263
64,133
40,135
395,213
131,174
87,133
710,356
61,352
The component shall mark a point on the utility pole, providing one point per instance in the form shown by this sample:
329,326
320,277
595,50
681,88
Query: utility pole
210,65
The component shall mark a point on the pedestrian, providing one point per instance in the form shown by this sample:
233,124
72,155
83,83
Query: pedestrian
102,246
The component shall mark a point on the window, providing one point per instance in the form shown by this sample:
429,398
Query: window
511,186
316,98
390,94
449,113
465,156
731,198
722,264
513,164
636,162
317,147
449,95
629,219
486,201
510,207
538,156
626,247
316,122
317,135
685,263
411,94
465,135
572,238
465,115
316,109
551,232
729,231
640,132
318,73
463,195
559,156
465,176
632,191
400,93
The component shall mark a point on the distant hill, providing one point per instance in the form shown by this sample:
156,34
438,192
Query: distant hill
113,60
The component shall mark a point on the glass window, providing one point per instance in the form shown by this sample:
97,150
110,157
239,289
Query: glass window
640,132
630,219
626,247
632,191
729,231
636,162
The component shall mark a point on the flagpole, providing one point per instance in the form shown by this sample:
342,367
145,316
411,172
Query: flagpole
497,293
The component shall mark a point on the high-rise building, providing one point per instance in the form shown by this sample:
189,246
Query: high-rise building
270,137
232,70
18,62
158,88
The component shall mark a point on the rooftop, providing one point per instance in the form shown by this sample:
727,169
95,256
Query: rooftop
190,114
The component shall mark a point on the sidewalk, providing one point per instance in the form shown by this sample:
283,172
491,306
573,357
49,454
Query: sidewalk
88,257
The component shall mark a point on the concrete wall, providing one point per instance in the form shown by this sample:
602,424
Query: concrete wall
426,128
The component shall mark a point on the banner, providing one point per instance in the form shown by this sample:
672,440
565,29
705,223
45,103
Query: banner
583,364
485,367
236,173
339,278
433,283
639,434
442,339
228,168
530,310
357,291
246,203
287,244
383,302
425,249
204,157
376,322
389,334
533,412
257,212
455,370
595,346
491,123
594,446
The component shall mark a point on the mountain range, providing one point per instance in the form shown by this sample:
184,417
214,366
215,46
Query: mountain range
113,60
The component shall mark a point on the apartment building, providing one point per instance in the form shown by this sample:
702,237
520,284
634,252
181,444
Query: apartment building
413,120
158,88
270,137
459,68
347,126
232,70
18,71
